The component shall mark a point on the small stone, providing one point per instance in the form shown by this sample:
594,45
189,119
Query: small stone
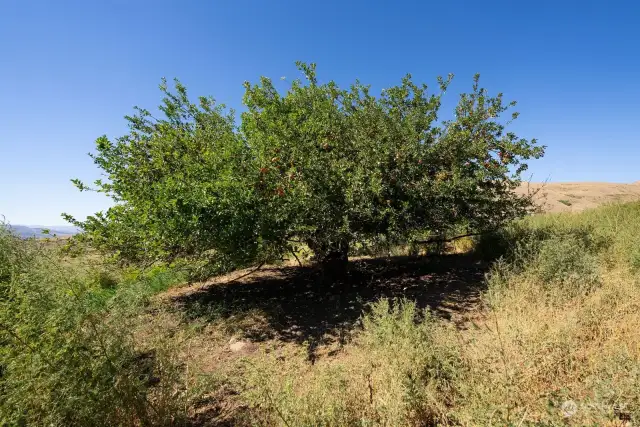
242,346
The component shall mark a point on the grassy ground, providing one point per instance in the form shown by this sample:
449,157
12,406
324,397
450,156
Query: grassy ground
538,326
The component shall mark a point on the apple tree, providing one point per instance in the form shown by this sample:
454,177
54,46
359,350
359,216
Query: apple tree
315,165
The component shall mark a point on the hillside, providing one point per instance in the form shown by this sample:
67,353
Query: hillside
535,325
37,231
578,196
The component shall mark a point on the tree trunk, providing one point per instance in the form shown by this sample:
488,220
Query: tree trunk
335,262
332,258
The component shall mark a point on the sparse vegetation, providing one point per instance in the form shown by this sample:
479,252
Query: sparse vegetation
552,339
458,308
68,351
559,327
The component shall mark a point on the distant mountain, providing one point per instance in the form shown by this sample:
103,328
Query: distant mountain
59,229
37,231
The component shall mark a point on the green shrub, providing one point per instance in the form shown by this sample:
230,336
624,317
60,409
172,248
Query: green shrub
566,261
414,368
14,254
67,352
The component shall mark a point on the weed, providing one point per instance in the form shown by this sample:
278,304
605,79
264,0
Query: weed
399,372
556,345
67,351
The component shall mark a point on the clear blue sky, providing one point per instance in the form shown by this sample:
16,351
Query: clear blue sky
71,70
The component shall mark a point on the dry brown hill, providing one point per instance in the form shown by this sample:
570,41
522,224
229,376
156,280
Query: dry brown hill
578,196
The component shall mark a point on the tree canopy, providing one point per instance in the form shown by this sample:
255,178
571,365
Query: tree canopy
316,165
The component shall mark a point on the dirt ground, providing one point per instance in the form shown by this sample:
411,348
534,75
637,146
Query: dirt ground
295,304
298,305
578,196
289,309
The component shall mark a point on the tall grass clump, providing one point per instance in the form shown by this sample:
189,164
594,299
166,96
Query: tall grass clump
68,356
562,256
559,342
555,343
400,371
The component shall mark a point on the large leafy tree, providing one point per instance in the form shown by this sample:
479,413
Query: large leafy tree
318,165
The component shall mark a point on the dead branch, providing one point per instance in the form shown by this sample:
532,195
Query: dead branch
439,239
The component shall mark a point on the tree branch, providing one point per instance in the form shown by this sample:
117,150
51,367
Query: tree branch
246,274
296,257
451,239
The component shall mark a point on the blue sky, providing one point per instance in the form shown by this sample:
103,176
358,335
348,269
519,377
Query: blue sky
71,70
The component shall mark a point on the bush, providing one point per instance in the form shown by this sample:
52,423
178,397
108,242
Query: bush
67,351
14,254
566,262
561,257
415,370
400,372
315,166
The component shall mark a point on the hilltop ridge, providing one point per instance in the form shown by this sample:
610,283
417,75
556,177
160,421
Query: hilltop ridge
26,231
578,196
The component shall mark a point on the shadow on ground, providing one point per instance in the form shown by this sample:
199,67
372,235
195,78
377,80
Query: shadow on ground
301,305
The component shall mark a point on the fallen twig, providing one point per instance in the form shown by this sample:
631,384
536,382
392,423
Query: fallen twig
247,274
447,240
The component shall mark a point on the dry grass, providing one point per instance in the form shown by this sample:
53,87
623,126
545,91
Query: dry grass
539,326
546,335
524,363
578,196
533,353
554,341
